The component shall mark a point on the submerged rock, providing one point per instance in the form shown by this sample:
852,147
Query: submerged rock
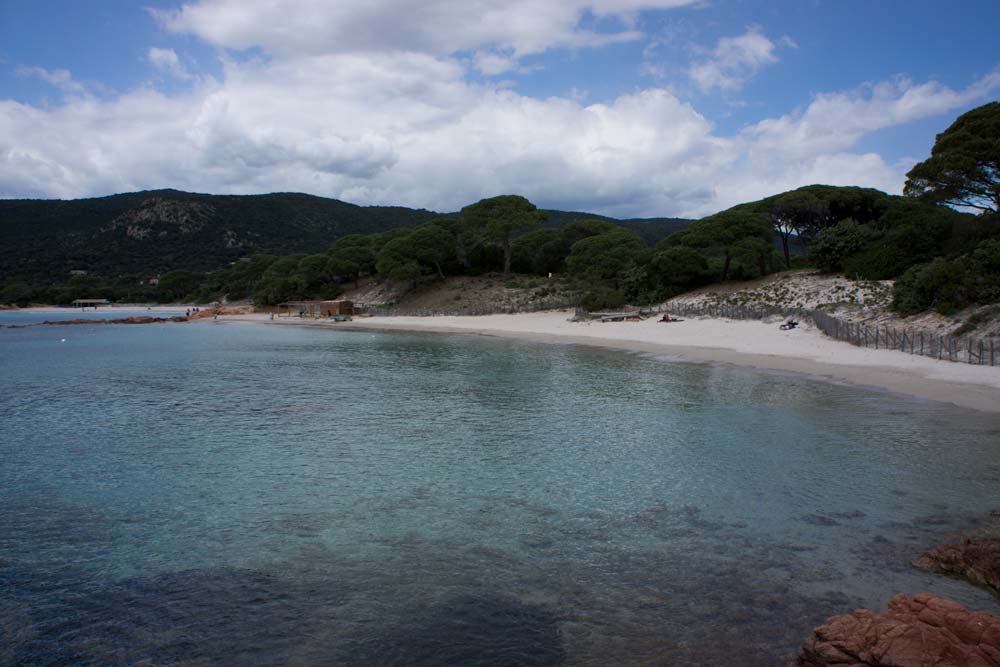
976,559
915,631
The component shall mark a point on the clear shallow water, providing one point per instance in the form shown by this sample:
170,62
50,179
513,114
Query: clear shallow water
243,494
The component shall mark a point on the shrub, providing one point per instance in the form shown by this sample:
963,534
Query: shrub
600,298
835,244
942,285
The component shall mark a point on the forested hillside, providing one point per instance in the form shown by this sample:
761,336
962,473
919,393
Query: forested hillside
137,236
149,233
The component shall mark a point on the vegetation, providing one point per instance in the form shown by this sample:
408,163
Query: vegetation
944,259
119,247
964,166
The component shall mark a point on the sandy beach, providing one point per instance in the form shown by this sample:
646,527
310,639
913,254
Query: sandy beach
748,343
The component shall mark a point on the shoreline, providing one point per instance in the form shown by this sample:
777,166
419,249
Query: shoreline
756,344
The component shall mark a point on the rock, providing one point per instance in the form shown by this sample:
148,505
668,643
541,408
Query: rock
919,631
976,559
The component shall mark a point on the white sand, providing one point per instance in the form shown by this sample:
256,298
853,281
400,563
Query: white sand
751,343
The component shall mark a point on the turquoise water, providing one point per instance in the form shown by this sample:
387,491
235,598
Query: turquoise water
209,493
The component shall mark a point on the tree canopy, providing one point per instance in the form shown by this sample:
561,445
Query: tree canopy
964,166
499,217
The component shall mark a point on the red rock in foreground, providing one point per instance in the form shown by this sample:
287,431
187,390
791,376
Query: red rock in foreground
916,631
976,559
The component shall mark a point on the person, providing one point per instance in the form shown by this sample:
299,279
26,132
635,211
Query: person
665,318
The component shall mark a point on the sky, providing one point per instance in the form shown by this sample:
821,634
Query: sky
628,108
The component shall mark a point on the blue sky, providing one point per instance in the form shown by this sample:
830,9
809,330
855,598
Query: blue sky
624,107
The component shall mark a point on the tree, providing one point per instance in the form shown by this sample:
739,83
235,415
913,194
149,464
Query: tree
431,244
605,256
316,274
541,251
678,268
498,217
351,256
736,233
800,213
17,292
178,284
964,166
835,244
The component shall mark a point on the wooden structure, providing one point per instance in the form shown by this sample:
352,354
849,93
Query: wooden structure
620,317
316,309
90,303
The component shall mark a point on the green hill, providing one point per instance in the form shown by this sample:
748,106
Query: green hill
143,234
650,230
152,232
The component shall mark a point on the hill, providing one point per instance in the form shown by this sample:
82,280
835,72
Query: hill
152,232
650,230
144,234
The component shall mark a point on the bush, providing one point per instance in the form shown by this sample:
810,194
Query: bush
942,285
600,298
835,244
16,293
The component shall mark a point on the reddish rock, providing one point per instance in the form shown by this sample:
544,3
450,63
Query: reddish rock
918,631
975,559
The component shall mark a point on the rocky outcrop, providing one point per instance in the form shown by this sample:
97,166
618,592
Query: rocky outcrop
916,631
121,320
975,559
157,218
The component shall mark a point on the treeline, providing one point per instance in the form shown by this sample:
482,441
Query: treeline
946,258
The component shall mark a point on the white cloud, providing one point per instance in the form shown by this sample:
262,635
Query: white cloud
60,78
836,121
409,129
733,60
437,27
166,60
376,124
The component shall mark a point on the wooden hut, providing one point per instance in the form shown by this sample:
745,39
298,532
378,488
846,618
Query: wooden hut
315,308
91,303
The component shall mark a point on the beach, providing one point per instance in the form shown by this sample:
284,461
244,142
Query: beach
742,342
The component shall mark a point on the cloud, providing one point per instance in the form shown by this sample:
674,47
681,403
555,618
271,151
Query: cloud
60,78
733,60
166,60
406,128
377,124
836,121
436,27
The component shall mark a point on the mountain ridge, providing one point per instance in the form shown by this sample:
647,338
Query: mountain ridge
150,232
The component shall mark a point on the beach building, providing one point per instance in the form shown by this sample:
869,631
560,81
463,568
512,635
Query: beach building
316,308
91,303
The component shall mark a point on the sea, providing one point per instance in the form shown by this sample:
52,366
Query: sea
220,493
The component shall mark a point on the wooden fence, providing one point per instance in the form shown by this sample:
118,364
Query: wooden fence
962,349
